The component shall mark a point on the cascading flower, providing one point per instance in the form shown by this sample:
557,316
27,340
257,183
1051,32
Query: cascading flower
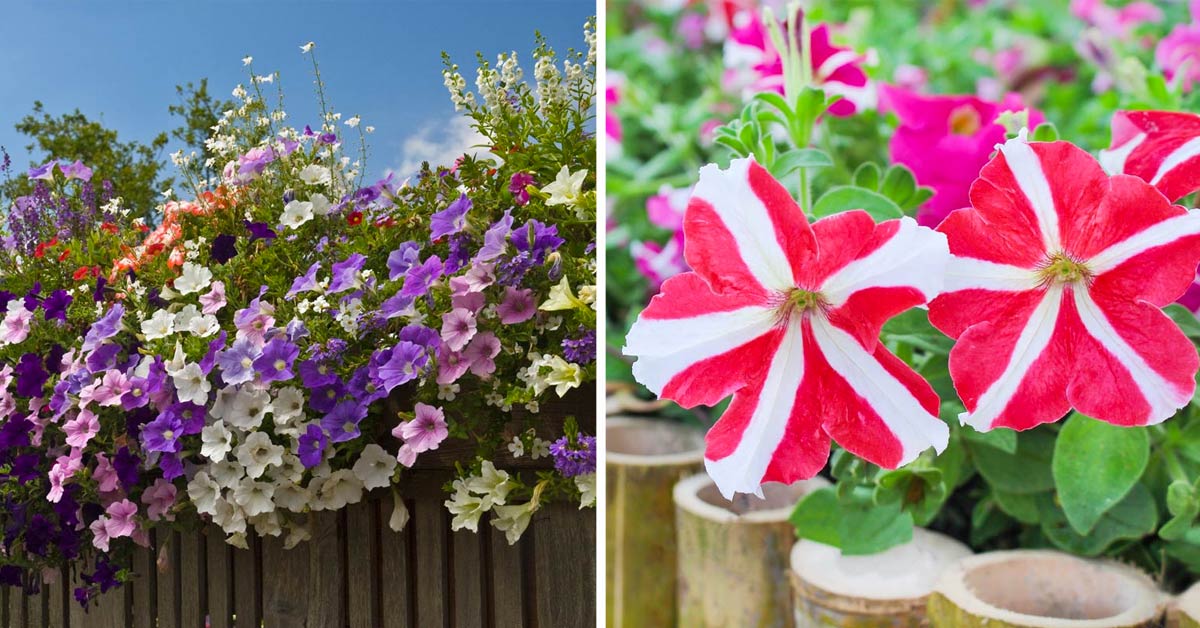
786,317
1053,288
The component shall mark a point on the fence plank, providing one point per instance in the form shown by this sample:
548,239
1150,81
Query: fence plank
220,579
285,593
507,593
430,569
33,607
466,558
564,542
362,564
193,591
167,555
325,572
57,597
145,599
397,570
246,575
17,616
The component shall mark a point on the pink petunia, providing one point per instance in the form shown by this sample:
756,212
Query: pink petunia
159,499
100,536
406,456
1054,288
120,519
214,299
480,353
659,262
945,141
105,474
786,317
425,431
458,327
14,328
82,428
518,306
451,365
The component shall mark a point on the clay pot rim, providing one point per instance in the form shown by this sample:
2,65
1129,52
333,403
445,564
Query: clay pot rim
688,457
935,540
953,587
687,497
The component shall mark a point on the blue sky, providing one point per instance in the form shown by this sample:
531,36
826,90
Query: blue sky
119,62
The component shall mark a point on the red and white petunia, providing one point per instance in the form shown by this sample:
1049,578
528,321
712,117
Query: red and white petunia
1053,291
1161,147
786,317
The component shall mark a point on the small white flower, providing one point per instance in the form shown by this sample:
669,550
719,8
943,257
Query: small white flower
184,317
230,518
191,384
375,467
193,278
257,453
516,447
204,326
353,122
288,405
267,524
400,516
448,392
161,325
296,213
216,441
247,60
539,449
254,497
306,48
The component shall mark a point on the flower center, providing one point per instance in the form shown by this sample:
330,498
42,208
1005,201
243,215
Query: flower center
964,120
168,434
280,365
800,301
1061,268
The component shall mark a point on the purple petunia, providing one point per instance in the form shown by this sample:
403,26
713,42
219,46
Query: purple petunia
315,373
44,172
77,171
55,306
104,328
224,248
421,276
397,305
342,422
162,434
312,446
305,282
275,363
237,361
400,260
259,231
31,376
405,363
537,239
496,238
344,274
450,220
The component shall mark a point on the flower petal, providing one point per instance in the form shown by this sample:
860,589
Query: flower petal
1160,147
873,404
1013,369
1157,264
1135,367
766,414
744,232
695,346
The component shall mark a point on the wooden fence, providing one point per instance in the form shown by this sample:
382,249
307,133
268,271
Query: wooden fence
355,572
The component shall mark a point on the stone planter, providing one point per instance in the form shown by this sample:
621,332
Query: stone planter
733,557
644,460
1186,611
885,590
1044,589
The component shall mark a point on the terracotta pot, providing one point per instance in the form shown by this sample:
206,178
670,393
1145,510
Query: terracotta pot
733,556
644,460
1044,589
884,590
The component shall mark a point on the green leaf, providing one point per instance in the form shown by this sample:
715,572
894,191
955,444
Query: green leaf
899,184
1027,470
1185,319
1132,518
1095,466
847,197
1003,439
1023,508
867,176
1183,506
1045,132
856,525
797,158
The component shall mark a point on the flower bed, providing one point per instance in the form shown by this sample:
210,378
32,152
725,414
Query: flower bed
292,336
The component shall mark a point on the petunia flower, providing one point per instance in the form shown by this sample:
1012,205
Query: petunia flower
1178,54
120,519
566,188
458,327
419,277
1160,147
193,278
342,422
159,499
311,446
1054,288
344,274
275,363
403,258
425,431
518,306
451,220
162,434
786,317
82,428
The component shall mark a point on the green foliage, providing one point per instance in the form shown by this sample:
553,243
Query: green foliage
1095,466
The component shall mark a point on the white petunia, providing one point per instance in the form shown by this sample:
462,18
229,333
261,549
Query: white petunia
229,517
400,515
254,497
307,47
320,204
191,384
267,524
192,278
375,467
257,452
288,405
216,441
204,326
512,520
291,496
315,175
227,473
567,188
161,325
204,492
492,483
185,316
247,409
296,213
466,508
340,488
586,484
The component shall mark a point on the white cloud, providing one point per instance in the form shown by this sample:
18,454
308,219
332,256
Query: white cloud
440,145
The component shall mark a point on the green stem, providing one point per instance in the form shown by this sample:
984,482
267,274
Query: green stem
1174,467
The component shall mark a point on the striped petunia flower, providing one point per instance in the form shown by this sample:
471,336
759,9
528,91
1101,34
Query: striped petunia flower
1163,148
1053,291
786,317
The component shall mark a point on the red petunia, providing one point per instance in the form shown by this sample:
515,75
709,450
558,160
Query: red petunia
786,317
354,219
1053,292
1161,147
